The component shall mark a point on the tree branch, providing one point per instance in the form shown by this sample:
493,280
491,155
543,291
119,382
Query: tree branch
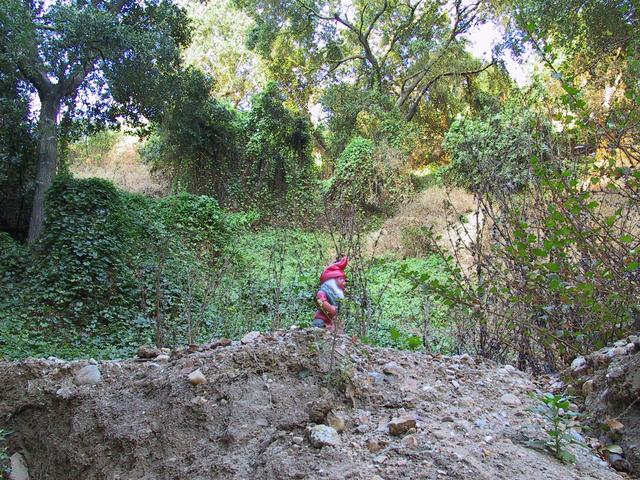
414,106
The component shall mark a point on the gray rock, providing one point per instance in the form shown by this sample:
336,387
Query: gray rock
298,440
620,343
250,337
323,436
88,375
19,470
579,364
510,400
65,392
392,368
363,428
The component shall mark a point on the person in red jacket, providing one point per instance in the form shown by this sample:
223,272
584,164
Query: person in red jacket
333,282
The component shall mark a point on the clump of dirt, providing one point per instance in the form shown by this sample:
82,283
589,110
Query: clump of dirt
389,414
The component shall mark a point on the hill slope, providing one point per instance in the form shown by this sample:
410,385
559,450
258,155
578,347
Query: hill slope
254,417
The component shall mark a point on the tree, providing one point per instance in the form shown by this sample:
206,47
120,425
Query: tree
101,60
398,47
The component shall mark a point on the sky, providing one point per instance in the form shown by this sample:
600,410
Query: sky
482,39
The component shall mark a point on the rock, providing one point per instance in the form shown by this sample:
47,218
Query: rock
197,377
336,420
392,368
619,463
631,348
163,358
65,392
223,342
375,378
19,470
588,387
620,343
319,410
615,371
402,424
199,401
323,436
89,375
579,364
634,339
410,441
250,338
298,440
363,428
380,459
146,351
619,351
373,445
510,400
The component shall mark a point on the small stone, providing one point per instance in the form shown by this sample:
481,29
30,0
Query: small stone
146,351
634,339
199,401
588,387
510,369
510,400
488,439
631,348
615,371
89,375
336,420
620,343
19,470
376,378
298,440
323,435
579,364
165,350
197,377
400,425
223,342
163,358
373,445
380,459
250,337
363,428
410,441
619,351
65,393
481,423
392,368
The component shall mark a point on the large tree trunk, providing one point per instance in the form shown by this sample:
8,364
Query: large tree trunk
47,162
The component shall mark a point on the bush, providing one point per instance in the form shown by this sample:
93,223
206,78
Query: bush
370,177
491,153
112,270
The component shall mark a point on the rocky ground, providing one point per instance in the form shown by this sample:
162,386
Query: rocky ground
278,407
609,382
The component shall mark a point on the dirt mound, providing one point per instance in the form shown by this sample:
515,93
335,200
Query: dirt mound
402,415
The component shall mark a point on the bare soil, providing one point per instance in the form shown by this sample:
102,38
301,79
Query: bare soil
144,420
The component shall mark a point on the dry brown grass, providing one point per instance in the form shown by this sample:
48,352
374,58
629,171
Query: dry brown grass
123,166
425,209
